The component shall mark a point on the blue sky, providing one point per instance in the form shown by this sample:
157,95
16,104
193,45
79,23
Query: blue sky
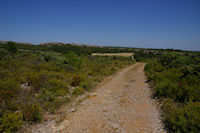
132,23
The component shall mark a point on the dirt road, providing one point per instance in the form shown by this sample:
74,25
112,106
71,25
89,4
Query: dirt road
122,105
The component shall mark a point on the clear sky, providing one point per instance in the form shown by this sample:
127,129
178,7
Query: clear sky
132,23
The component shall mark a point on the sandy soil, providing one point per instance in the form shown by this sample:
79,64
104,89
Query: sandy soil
121,105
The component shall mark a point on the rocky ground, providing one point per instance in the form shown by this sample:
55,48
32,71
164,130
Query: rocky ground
121,104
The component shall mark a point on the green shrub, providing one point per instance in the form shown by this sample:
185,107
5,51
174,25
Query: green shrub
39,80
51,57
86,85
184,119
165,59
166,88
77,91
45,95
57,87
57,103
176,80
73,59
32,112
167,105
76,79
10,122
180,61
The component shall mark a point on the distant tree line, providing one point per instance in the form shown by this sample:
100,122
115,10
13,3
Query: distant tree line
140,53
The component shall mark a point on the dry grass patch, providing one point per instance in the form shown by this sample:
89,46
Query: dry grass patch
113,54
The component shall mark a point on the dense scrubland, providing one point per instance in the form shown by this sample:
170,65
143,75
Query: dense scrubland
35,79
34,82
175,81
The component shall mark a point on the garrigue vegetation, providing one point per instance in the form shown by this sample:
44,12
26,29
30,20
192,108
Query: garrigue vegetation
175,79
40,79
35,79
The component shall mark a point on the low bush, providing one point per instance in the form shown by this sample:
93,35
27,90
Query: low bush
46,96
10,122
73,59
76,79
86,85
77,91
57,103
32,112
185,119
176,80
57,87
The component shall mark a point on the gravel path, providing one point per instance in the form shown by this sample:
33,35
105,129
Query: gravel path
122,105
